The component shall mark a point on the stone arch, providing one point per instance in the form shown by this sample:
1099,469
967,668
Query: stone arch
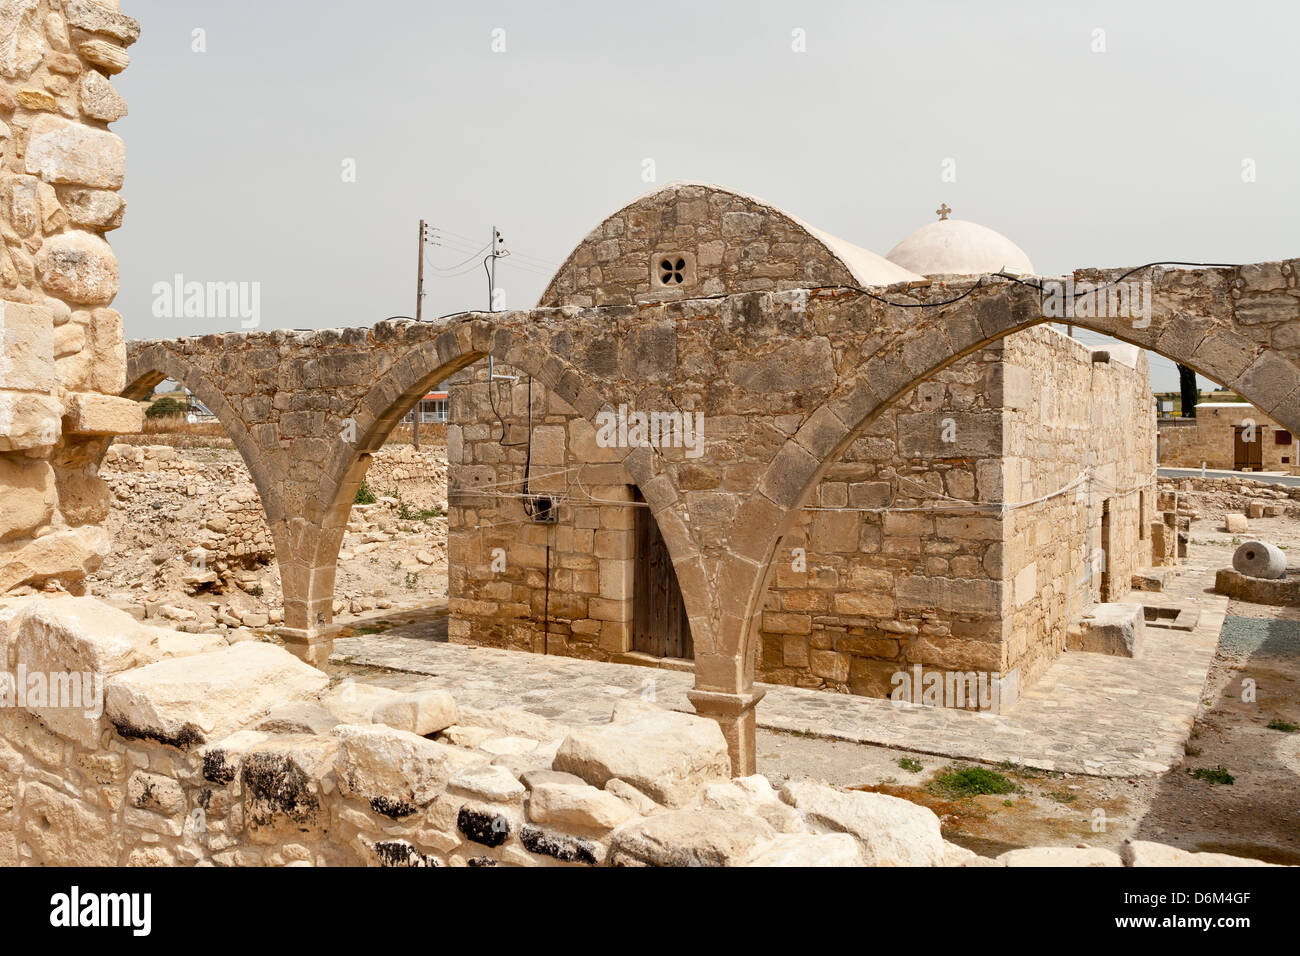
149,366
1216,346
316,539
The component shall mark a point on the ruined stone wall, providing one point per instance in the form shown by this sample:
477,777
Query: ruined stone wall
1072,412
63,350
418,477
189,751
1210,441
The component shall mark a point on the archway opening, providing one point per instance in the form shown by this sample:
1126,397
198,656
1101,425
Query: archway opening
193,549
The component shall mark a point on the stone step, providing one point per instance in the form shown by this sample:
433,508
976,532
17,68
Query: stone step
1150,579
1114,629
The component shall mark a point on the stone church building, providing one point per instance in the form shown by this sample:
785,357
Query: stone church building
963,532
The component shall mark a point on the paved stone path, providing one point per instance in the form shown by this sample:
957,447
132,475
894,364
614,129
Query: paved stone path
1089,714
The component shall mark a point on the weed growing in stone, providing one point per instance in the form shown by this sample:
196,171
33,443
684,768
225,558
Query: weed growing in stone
958,781
1215,775
1283,725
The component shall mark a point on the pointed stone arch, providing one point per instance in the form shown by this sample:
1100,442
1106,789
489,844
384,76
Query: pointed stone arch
1213,340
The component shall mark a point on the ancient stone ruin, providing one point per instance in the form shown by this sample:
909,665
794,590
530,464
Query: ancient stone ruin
63,365
726,443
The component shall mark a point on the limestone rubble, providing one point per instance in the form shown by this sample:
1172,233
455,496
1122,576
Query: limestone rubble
236,755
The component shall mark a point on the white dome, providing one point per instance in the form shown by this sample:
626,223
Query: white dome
957,247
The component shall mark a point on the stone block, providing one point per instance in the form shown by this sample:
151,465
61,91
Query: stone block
28,490
188,701
26,347
90,413
66,556
889,831
666,755
65,152
78,267
1114,629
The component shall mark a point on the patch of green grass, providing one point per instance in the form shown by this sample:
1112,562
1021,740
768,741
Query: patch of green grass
1063,796
410,581
969,781
256,590
364,495
907,763
406,513
1283,725
1215,775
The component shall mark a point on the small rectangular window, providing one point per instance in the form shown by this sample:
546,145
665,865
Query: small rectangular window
1281,436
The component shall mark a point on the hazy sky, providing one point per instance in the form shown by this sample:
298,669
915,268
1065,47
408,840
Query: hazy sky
237,156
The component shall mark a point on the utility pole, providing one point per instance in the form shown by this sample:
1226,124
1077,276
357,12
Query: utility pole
492,279
419,308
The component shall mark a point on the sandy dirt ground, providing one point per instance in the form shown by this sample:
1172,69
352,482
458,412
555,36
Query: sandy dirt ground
394,557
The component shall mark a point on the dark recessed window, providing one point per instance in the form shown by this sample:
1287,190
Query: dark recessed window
672,271
1282,437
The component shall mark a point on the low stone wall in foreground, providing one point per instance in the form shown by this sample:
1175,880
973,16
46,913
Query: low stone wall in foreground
207,753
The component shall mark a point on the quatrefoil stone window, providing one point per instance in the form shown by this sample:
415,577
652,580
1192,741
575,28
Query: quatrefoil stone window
672,270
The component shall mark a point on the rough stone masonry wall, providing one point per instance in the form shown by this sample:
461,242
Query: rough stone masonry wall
241,755
1209,439
1070,410
967,590
877,591
726,241
497,556
62,357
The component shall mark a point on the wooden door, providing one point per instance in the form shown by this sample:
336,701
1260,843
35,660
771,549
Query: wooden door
1246,455
659,625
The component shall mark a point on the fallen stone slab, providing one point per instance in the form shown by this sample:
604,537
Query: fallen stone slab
187,701
1060,856
666,755
1235,524
66,556
810,849
690,838
300,717
354,702
424,712
74,644
892,831
753,795
1146,853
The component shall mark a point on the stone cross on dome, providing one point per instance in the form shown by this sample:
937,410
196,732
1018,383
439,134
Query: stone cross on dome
943,210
